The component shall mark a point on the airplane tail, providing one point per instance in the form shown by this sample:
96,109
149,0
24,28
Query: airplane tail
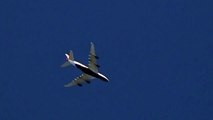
69,56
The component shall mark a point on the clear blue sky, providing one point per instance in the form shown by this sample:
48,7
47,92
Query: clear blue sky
157,55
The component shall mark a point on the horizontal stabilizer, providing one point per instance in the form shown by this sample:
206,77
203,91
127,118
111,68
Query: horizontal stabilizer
67,63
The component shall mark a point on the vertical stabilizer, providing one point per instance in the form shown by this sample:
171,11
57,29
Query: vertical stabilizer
70,56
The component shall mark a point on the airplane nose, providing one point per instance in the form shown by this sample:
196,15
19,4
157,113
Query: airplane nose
106,80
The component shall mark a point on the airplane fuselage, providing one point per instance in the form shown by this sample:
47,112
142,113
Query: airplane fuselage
88,71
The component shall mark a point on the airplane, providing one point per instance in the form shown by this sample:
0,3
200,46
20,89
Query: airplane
89,72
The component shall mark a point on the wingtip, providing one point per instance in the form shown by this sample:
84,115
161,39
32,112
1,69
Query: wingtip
67,85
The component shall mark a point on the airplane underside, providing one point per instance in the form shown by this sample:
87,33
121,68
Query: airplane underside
91,73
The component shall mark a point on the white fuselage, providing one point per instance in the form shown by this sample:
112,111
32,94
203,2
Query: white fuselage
89,71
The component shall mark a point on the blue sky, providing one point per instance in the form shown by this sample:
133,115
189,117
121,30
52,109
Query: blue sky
157,55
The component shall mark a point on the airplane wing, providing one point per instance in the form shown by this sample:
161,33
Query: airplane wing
79,80
93,59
